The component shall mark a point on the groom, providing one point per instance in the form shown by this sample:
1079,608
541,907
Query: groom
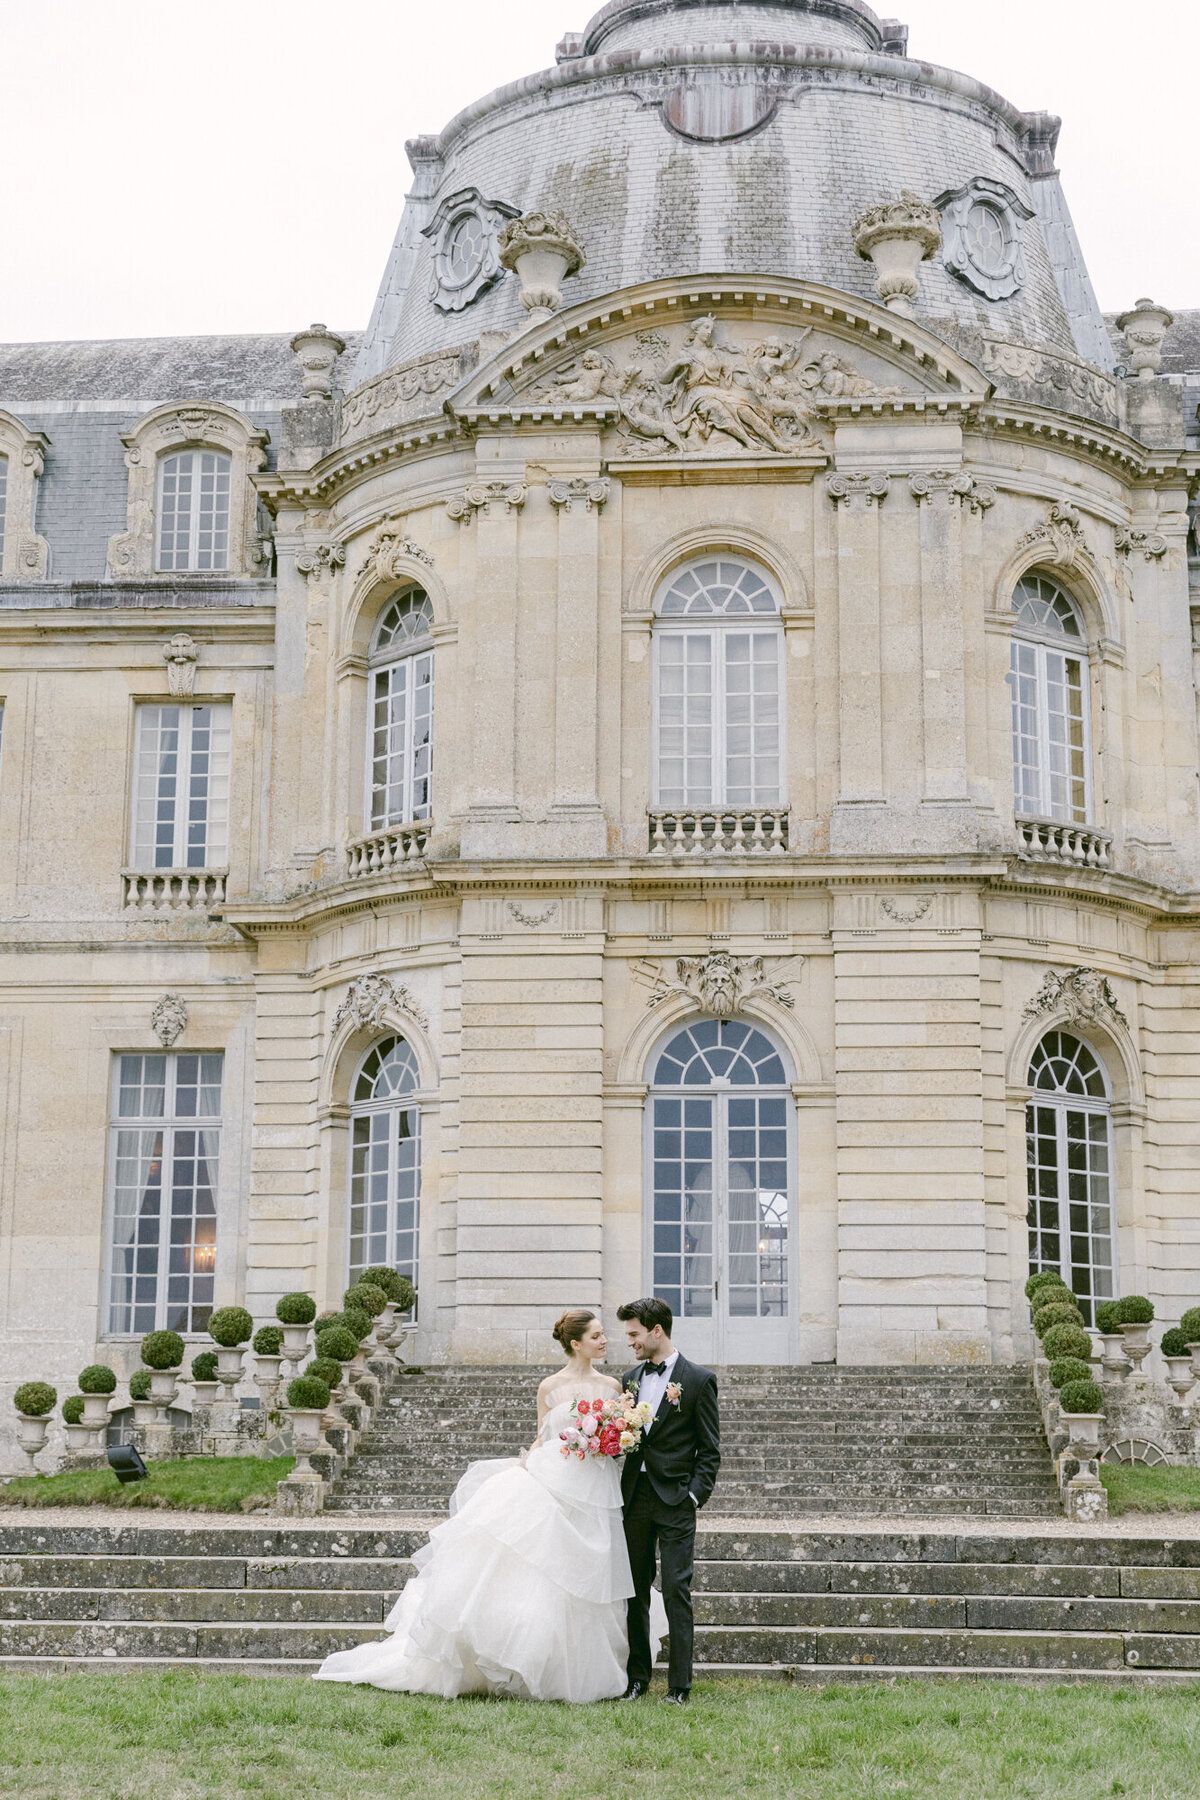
663,1484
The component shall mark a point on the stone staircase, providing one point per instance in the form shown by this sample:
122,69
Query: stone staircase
795,1441
809,1605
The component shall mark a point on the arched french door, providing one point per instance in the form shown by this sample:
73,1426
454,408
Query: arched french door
1069,1157
720,1192
385,1162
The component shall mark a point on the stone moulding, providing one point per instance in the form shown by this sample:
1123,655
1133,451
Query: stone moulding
400,395
320,559
26,555
209,426
1069,378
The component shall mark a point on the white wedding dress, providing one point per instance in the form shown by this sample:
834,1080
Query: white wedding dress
521,1592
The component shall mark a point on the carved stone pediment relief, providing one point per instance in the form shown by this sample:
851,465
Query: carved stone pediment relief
676,374
719,982
1081,993
369,997
713,388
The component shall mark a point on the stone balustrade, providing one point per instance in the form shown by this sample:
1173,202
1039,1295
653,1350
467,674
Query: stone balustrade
1047,840
708,831
174,890
385,850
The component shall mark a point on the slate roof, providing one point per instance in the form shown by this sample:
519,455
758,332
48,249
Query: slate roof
146,371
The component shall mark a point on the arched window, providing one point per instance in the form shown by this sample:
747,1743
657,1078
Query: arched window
193,510
401,741
1068,1127
718,724
1049,681
385,1161
719,1205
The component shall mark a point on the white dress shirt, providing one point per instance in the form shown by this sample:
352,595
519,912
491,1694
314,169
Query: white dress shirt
655,1377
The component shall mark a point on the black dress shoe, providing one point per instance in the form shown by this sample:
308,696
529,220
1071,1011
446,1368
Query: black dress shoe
676,1696
635,1690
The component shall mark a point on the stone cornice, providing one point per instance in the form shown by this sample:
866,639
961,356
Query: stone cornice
1103,445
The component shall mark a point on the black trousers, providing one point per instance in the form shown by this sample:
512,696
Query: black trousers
651,1525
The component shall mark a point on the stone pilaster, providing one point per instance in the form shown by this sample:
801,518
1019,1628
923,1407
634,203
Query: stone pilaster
858,498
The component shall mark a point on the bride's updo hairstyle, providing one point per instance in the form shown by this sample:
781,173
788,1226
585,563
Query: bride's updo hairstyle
571,1326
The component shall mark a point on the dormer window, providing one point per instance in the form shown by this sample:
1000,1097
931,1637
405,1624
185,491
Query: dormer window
193,510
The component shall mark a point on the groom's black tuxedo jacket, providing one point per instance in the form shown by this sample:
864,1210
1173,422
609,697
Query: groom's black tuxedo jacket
681,1452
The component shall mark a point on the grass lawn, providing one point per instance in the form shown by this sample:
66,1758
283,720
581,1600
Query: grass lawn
1136,1488
185,1737
192,1484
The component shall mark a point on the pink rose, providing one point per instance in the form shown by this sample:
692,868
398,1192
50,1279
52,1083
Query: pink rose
588,1427
597,1406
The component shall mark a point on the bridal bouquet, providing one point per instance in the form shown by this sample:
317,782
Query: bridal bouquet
605,1427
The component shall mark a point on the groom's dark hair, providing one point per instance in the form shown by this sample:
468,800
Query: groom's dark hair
649,1312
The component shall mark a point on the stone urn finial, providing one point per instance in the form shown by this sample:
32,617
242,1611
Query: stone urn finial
317,349
1144,327
897,236
541,249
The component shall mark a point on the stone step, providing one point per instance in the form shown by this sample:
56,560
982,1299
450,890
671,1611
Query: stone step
293,1606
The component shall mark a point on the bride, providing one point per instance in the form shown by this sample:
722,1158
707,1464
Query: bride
523,1590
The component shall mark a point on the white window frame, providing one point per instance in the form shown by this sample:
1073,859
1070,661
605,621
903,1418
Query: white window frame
1060,1102
199,561
416,656
172,1125
715,628
149,720
1046,643
388,1106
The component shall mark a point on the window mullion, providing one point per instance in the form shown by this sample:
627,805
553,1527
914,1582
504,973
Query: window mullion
183,788
719,750
1063,1183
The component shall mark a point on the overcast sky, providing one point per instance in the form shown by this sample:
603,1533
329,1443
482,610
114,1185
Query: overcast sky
239,165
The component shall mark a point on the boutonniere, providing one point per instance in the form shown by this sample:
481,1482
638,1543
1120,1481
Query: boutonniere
674,1393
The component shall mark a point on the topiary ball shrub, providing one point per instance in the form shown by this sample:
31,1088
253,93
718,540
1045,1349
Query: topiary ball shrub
1067,1340
1175,1343
231,1327
387,1279
1106,1318
35,1399
337,1344
268,1340
1190,1325
326,1369
1134,1309
163,1350
408,1295
139,1384
366,1297
1043,1278
296,1309
72,1409
1068,1369
1056,1312
98,1378
1081,1397
204,1366
359,1323
307,1394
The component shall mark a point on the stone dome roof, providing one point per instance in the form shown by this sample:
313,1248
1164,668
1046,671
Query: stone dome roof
736,137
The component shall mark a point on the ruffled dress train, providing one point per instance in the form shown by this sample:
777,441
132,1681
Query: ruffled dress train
522,1591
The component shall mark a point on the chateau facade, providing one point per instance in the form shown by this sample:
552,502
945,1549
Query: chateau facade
669,762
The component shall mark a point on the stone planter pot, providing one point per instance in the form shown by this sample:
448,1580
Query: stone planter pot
204,1393
95,1411
79,1439
164,1386
1180,1374
1113,1360
145,1412
307,1439
1137,1344
385,1324
31,1435
267,1379
229,1368
295,1344
1084,1430
1194,1350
